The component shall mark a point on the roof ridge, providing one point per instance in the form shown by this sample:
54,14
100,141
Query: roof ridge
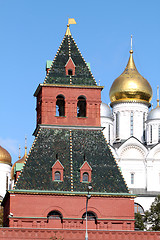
84,59
27,158
54,58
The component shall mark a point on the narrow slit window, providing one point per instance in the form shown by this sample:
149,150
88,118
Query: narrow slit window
117,125
151,134
131,123
158,133
132,178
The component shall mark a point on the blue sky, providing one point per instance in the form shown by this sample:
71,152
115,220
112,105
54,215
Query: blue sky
31,32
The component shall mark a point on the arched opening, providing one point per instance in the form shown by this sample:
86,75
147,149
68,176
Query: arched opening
91,216
70,72
85,177
60,106
57,176
54,215
81,106
54,219
138,208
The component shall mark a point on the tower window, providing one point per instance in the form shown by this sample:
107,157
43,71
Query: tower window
81,107
57,176
131,123
70,72
85,177
132,178
60,106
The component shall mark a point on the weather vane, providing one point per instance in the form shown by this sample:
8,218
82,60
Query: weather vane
70,21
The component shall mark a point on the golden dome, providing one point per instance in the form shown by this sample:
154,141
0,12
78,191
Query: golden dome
130,86
5,157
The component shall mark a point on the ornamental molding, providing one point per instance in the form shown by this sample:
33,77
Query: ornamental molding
126,148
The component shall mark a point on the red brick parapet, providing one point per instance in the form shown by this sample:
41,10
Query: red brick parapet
70,234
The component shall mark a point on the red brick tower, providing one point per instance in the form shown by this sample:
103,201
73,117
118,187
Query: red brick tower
68,154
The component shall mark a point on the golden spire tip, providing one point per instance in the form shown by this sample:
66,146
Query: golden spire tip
19,152
25,146
157,96
131,51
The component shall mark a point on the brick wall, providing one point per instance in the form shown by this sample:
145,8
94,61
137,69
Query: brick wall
22,233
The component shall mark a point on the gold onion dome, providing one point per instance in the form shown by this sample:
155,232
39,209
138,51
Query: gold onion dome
130,86
5,157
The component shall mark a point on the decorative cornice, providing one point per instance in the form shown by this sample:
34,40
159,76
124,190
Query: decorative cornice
66,193
64,86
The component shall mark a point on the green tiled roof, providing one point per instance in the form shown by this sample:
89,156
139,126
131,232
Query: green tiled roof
57,74
71,147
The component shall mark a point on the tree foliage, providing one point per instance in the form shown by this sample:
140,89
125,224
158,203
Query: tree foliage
152,217
139,223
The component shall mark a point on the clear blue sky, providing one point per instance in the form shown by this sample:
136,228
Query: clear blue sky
31,32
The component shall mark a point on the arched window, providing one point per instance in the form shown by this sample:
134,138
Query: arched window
132,178
91,216
85,177
57,176
70,72
138,208
151,134
81,107
109,133
54,215
60,106
131,123
117,125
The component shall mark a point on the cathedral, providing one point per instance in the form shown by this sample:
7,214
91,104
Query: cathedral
74,119
133,133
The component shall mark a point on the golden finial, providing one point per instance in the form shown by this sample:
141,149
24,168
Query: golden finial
25,146
70,21
157,96
19,152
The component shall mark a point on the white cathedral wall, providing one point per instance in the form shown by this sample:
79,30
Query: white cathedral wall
133,166
124,110
145,202
134,172
5,170
106,122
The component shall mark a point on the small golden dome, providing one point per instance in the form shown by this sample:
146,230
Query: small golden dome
5,157
22,160
130,86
